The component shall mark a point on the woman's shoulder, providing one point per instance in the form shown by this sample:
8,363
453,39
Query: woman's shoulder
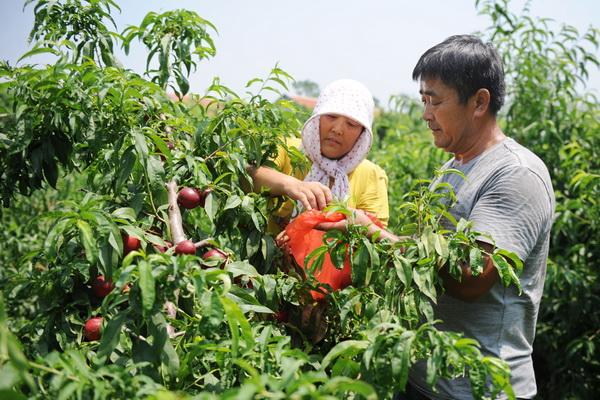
293,142
368,168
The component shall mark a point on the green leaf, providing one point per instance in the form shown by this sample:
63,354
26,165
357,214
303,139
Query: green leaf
88,241
374,262
105,257
506,272
124,168
462,225
141,146
422,276
476,260
9,393
110,337
157,327
403,270
346,348
232,202
39,50
147,286
513,258
253,243
441,245
115,240
15,354
360,264
238,326
342,385
314,260
155,172
66,392
55,237
338,255
403,352
211,206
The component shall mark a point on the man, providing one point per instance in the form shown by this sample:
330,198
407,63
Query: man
507,193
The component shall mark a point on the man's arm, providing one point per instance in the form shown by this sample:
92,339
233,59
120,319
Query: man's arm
310,194
470,287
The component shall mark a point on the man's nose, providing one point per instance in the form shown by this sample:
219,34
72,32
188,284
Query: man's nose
427,114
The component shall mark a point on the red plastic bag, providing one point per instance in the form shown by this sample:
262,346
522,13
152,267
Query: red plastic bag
304,239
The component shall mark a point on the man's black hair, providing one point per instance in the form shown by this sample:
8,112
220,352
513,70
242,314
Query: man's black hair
466,64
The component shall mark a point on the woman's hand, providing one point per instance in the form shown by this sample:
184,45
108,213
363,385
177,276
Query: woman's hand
359,217
283,242
312,195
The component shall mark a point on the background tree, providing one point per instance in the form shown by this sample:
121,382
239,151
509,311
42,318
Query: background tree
307,88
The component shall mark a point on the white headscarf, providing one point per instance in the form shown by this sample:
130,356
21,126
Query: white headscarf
351,99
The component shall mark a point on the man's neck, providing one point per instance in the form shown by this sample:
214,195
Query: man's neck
489,135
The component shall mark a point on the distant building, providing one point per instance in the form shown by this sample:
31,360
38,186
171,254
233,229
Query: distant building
308,102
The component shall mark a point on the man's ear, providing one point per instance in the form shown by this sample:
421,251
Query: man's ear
482,102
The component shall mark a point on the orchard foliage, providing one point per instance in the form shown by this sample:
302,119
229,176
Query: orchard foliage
87,148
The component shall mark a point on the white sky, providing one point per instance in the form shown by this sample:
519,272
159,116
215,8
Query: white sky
376,42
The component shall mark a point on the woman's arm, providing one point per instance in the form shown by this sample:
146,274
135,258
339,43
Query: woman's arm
310,194
359,217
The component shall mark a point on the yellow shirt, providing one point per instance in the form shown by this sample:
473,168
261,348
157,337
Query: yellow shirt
368,188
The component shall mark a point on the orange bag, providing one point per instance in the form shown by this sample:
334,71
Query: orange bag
304,239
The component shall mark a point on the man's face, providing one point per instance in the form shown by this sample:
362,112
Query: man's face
338,135
449,120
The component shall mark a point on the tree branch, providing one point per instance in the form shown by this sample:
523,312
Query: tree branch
175,222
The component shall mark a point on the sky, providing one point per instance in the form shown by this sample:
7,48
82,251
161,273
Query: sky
376,42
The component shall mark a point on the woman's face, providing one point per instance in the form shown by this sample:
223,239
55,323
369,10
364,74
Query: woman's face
338,135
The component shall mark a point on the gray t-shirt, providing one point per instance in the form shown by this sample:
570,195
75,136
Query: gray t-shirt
508,194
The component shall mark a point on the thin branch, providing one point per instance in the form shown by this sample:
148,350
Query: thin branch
53,371
203,243
227,143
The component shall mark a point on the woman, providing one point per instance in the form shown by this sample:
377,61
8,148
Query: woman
336,139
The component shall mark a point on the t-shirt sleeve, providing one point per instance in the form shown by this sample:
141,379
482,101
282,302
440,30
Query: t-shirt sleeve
514,208
373,194
282,161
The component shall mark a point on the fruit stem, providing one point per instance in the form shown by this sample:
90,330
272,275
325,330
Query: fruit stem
175,221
